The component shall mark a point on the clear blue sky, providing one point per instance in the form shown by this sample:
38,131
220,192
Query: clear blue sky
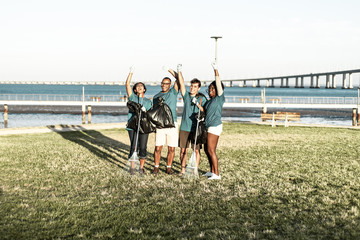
91,40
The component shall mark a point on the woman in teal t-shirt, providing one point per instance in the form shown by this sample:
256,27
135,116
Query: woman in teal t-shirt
213,109
136,94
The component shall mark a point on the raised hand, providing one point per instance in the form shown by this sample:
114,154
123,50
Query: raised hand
179,67
132,68
214,65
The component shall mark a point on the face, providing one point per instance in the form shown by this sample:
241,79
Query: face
194,89
165,85
212,91
140,90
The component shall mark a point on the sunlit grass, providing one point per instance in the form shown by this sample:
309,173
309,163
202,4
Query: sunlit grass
277,183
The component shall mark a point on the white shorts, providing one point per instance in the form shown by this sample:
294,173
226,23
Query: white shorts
169,136
215,130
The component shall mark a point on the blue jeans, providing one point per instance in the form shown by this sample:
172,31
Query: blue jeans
142,143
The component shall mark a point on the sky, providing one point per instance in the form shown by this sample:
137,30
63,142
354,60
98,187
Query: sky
88,40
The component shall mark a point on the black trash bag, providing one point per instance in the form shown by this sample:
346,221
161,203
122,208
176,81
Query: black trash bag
160,115
146,126
202,132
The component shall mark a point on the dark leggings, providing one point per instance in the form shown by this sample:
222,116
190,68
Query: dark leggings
142,143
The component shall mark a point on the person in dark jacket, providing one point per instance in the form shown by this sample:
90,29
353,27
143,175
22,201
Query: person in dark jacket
136,94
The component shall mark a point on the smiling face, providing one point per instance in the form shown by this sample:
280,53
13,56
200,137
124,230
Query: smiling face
212,91
140,89
194,89
165,84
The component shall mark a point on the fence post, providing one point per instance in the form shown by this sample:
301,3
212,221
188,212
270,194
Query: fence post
83,113
89,114
273,120
5,115
354,117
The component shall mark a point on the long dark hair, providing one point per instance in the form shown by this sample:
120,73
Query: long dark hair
213,83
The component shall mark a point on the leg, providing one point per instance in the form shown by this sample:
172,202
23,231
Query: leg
197,152
157,155
206,149
159,143
212,141
170,158
132,141
183,158
143,139
172,140
183,144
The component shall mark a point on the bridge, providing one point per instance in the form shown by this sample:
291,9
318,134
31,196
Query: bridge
311,79
299,80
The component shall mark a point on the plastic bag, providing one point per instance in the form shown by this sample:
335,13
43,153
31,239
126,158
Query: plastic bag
160,115
146,126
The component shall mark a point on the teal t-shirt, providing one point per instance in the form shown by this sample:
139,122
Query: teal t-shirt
213,108
188,120
135,98
170,98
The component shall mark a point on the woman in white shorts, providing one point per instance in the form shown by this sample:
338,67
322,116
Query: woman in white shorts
213,110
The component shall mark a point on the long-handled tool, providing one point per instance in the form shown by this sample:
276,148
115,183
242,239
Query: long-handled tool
191,170
134,161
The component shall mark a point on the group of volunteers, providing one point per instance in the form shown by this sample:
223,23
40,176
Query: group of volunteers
171,136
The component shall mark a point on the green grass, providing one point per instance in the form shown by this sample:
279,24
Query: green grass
277,183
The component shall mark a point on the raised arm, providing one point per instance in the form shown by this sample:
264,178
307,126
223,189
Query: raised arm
175,75
128,80
219,88
181,80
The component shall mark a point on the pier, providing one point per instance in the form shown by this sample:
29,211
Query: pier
253,102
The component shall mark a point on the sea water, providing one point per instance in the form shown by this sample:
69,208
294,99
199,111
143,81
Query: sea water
43,119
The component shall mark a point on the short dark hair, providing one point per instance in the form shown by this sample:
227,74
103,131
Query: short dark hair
213,83
166,78
134,87
195,80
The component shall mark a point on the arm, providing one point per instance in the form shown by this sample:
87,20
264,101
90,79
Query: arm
181,80
128,80
175,75
219,88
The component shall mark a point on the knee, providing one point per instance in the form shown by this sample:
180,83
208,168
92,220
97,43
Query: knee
171,150
183,151
211,151
158,149
142,153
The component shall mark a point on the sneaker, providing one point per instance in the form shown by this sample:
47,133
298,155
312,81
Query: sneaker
183,169
169,171
215,177
142,171
132,171
156,171
208,174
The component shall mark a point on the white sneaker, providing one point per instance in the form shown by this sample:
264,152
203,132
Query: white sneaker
208,174
214,177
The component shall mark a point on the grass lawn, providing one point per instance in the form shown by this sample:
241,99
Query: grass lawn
277,183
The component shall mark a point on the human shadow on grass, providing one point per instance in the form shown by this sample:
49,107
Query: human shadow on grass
107,148
102,146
